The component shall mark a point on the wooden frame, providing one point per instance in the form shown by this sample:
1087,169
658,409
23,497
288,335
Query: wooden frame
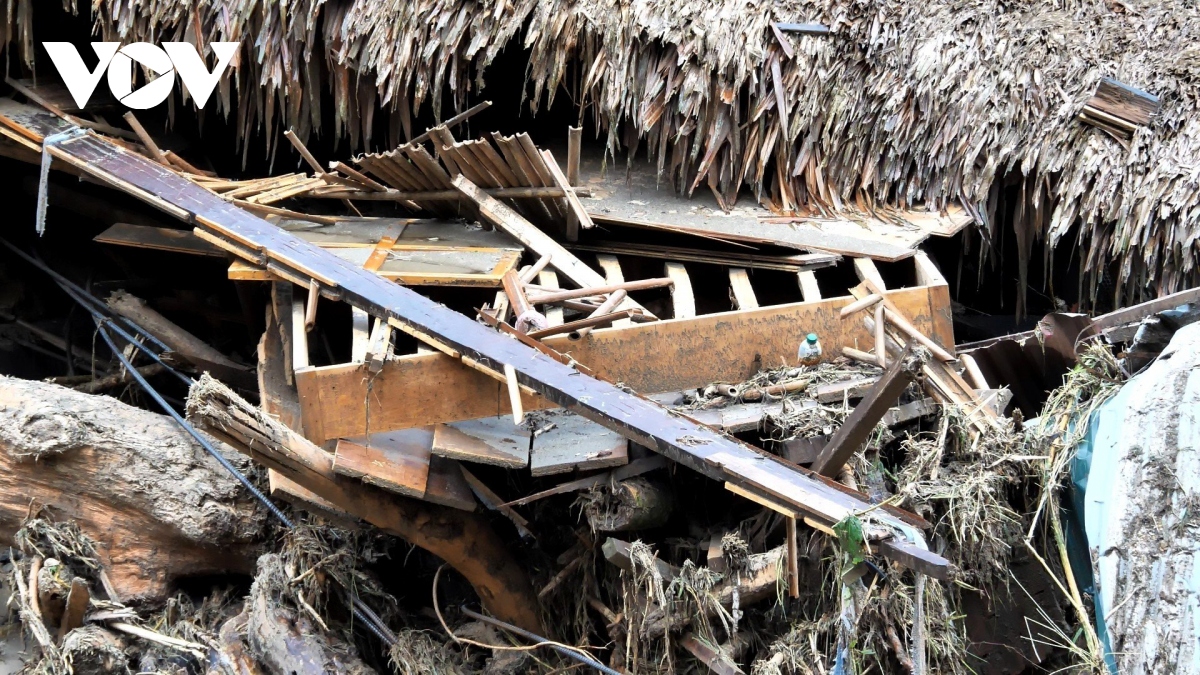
668,355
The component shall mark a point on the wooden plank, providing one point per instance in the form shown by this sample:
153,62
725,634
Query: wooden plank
928,273
1124,102
809,289
299,337
158,239
697,447
360,334
493,502
414,266
297,495
717,661
577,216
492,440
682,299
539,242
858,427
393,460
671,355
740,289
865,269
575,443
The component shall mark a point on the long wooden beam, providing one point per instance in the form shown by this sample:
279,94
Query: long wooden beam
639,419
670,355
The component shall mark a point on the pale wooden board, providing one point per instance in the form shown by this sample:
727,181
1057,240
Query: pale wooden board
634,196
554,315
447,486
352,232
809,289
492,440
393,460
614,275
575,443
682,299
741,290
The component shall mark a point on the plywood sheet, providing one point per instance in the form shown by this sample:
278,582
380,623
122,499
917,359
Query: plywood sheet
573,443
492,440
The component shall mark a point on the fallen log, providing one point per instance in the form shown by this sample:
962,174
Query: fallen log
631,505
156,505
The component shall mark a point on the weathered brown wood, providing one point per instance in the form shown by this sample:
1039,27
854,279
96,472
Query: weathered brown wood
861,423
463,540
493,440
1127,104
574,443
635,468
574,144
456,335
493,502
591,321
511,222
393,460
717,662
629,506
76,607
158,239
414,390
577,215
178,339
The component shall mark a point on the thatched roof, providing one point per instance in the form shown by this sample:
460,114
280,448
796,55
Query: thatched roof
906,102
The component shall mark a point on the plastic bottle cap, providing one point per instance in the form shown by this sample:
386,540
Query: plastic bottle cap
812,337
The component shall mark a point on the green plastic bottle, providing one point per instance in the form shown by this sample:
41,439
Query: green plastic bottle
810,350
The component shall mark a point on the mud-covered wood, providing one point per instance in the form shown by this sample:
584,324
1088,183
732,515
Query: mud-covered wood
157,505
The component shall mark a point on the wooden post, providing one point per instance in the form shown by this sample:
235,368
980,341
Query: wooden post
574,143
793,571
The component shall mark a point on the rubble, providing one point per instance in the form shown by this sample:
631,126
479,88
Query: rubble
453,407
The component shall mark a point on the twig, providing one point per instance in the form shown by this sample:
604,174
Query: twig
146,634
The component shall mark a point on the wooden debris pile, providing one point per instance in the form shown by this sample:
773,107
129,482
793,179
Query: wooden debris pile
589,462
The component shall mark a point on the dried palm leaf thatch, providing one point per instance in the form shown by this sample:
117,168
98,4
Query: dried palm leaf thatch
902,104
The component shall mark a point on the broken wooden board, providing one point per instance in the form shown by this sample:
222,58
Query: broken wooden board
636,198
575,443
158,239
394,460
447,486
249,237
492,440
415,265
669,355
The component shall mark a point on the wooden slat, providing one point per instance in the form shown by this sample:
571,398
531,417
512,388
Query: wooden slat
866,270
447,486
360,334
682,299
809,289
576,443
493,440
672,355
539,242
740,289
158,239
784,263
577,216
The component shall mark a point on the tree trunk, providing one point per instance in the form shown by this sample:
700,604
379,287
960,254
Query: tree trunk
157,506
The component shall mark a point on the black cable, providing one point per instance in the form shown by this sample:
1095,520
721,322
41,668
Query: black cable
93,306
67,283
189,428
